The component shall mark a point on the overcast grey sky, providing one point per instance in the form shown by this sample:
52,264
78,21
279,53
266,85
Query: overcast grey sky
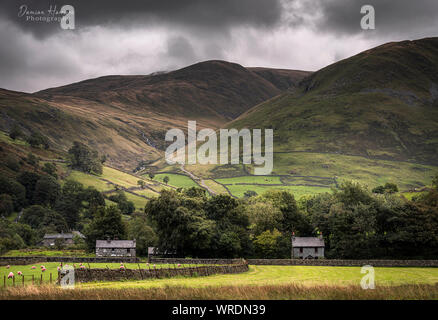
144,36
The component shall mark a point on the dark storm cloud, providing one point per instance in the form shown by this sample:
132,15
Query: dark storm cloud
416,18
197,13
143,36
180,48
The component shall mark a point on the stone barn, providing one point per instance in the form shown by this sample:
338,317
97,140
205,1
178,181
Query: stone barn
50,239
115,248
307,247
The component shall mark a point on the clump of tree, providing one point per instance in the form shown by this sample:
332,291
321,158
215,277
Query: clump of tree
359,225
387,188
125,206
139,229
38,140
16,132
141,183
50,169
106,224
6,205
83,158
15,190
249,194
188,222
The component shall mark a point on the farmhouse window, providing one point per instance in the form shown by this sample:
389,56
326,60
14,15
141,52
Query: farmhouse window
316,250
301,250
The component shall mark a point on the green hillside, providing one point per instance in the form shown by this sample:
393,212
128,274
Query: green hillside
380,104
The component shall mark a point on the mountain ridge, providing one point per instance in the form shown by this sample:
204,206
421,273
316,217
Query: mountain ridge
126,117
381,103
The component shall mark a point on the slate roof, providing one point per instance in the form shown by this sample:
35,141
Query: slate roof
122,244
305,242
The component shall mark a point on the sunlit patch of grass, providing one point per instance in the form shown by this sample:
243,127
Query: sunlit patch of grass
89,180
176,180
120,178
251,179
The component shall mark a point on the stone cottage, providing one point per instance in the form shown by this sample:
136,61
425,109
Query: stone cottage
307,247
67,238
115,248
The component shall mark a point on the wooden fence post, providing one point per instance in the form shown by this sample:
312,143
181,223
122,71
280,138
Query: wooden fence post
33,279
50,277
13,281
22,279
41,280
4,281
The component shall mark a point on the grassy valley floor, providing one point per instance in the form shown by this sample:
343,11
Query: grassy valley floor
261,282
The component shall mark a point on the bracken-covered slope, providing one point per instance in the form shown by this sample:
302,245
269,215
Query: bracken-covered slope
126,117
381,103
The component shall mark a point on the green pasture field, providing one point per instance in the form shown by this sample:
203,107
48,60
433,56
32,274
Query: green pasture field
297,191
139,202
121,178
176,180
283,275
51,268
89,180
370,172
216,187
251,179
146,192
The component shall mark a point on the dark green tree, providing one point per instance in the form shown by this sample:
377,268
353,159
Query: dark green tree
125,206
83,158
6,205
249,194
37,140
16,190
29,180
50,168
180,223
47,191
16,132
69,203
144,235
107,224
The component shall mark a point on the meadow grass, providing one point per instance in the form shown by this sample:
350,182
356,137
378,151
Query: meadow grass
176,180
297,191
251,179
261,282
146,192
89,180
265,292
216,187
366,171
120,178
285,275
139,202
51,268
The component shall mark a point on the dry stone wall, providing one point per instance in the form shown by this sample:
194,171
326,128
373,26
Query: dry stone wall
97,275
344,263
308,262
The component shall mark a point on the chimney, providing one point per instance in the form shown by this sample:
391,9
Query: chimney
320,235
